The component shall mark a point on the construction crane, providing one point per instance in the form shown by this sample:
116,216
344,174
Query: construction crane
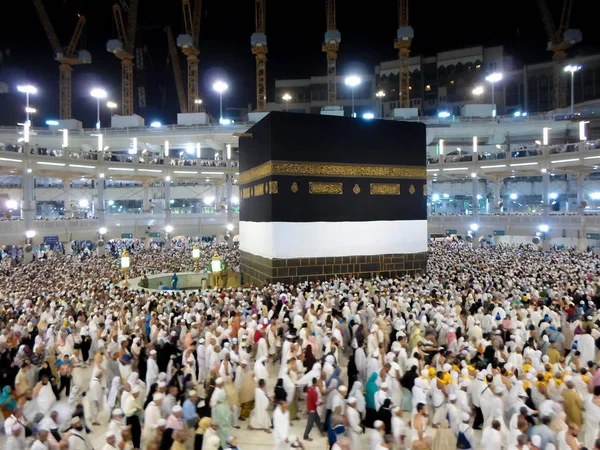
66,56
559,41
123,48
176,70
258,40
189,43
331,47
404,37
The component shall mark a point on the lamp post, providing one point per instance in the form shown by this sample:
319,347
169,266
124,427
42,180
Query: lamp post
380,95
220,87
352,81
196,257
572,69
492,79
286,99
125,265
215,267
27,90
98,94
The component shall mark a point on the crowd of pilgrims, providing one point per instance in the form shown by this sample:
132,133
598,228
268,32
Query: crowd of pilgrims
502,340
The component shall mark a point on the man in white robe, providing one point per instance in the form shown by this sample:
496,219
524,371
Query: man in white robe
96,397
151,369
45,395
587,347
259,418
360,359
491,438
281,427
354,428
152,415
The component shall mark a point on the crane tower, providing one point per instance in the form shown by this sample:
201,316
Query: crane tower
331,46
559,41
258,40
404,37
189,44
66,56
123,48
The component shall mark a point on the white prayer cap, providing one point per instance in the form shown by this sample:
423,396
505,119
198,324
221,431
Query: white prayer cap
452,397
152,352
158,396
383,385
109,434
117,412
219,380
536,440
377,424
351,400
177,409
343,389
466,417
135,390
161,423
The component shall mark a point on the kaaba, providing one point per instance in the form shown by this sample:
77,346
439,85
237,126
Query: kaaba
325,196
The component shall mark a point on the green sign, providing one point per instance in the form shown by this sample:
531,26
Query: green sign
155,234
449,232
595,236
499,233
126,235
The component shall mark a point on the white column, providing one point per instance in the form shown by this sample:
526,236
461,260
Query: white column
497,198
28,203
100,206
580,192
429,194
146,204
218,196
546,207
167,196
229,193
475,203
67,198
582,241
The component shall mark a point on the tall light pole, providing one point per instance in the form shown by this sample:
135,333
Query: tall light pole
27,89
352,81
493,78
220,87
286,99
572,69
380,95
98,94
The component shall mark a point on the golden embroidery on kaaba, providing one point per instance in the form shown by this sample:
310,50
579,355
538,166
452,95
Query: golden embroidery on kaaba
259,189
246,192
273,187
411,189
316,187
294,187
356,189
424,189
385,189
298,168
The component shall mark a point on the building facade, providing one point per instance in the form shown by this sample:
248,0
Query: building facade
445,82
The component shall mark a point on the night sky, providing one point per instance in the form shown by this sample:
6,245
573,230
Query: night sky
294,29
